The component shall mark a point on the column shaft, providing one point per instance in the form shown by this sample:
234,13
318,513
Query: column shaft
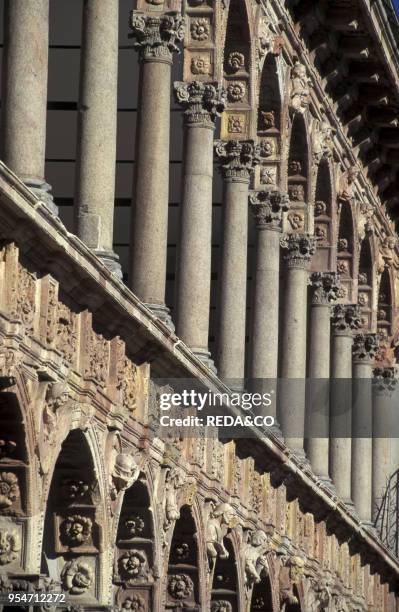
291,398
345,319
233,283
202,102
25,73
156,38
267,208
364,350
324,291
237,159
96,156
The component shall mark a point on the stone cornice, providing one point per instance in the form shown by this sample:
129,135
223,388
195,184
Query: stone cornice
45,241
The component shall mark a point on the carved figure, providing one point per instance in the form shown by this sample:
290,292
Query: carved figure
125,473
300,89
220,520
77,577
254,556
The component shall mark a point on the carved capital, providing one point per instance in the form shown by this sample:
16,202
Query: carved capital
203,102
345,318
237,158
299,249
325,287
385,380
157,37
267,208
365,347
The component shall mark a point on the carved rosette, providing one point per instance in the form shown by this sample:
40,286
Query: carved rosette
346,318
180,586
237,158
365,347
77,577
157,37
385,380
299,249
9,490
325,287
203,102
10,546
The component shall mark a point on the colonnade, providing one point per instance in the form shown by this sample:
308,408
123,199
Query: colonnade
357,466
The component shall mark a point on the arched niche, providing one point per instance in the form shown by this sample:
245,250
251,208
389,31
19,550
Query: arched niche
298,175
365,284
72,537
224,594
324,258
269,123
183,580
345,251
135,549
14,457
262,598
237,68
385,307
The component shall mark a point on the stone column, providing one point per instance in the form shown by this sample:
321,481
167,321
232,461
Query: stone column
237,160
24,102
267,208
96,154
203,102
345,319
384,433
291,398
325,287
364,350
157,39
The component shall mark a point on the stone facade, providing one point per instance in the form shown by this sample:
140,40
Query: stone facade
93,502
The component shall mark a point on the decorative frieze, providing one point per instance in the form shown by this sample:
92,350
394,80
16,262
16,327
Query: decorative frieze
203,102
325,287
237,158
157,37
299,249
267,208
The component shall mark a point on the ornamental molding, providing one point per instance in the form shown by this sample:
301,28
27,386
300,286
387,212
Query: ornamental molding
203,102
268,207
157,38
237,158
325,287
299,249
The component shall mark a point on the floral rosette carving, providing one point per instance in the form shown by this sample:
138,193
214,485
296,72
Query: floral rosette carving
77,577
180,586
10,546
200,29
133,526
133,565
76,529
9,490
133,603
